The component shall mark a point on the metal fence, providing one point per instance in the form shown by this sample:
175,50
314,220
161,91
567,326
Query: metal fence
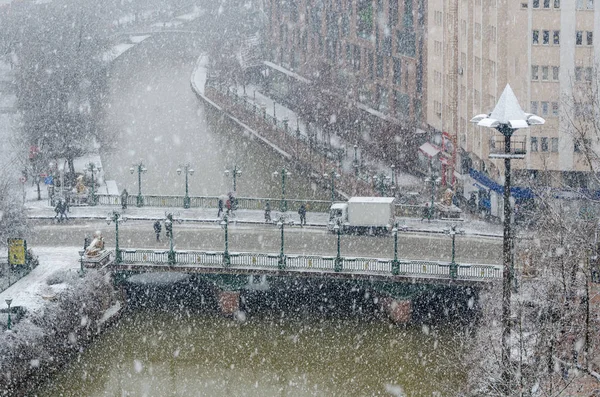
311,263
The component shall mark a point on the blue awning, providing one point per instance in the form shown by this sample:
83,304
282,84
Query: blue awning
519,193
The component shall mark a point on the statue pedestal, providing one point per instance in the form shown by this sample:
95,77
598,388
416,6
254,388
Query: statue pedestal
96,261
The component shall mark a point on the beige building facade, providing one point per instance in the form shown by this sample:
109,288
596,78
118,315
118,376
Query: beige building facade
545,50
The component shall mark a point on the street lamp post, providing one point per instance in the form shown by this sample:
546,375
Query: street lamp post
396,262
234,174
188,171
284,173
169,219
452,232
393,180
140,168
282,260
334,175
8,303
116,218
355,160
434,180
507,117
93,168
381,182
224,225
338,258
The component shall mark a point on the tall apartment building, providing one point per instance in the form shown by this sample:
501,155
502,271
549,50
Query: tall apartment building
544,49
363,61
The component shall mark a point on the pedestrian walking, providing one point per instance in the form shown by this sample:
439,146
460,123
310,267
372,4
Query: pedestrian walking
57,208
157,230
220,208
61,209
267,212
124,196
425,212
302,213
228,206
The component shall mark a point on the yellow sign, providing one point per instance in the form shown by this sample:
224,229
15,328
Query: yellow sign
16,251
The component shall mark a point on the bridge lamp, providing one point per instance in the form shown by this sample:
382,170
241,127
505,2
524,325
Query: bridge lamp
284,173
234,174
381,182
93,168
355,162
452,231
434,180
395,262
282,260
140,169
116,218
8,303
334,175
224,224
188,171
338,258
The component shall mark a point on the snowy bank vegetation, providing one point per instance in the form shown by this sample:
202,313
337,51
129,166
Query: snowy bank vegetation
42,341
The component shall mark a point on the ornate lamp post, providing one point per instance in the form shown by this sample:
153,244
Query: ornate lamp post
452,232
284,173
507,117
434,180
8,303
282,260
393,180
234,174
93,168
169,233
116,218
396,262
381,182
224,223
140,168
188,171
355,162
338,258
334,175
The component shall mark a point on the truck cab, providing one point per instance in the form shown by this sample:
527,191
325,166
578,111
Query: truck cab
338,213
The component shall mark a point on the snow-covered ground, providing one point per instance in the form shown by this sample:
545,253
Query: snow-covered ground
32,291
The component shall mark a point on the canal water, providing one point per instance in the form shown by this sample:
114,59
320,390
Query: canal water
311,340
155,117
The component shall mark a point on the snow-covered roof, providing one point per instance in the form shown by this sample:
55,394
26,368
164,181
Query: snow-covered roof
429,150
387,200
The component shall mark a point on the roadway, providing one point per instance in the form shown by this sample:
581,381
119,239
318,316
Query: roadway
267,239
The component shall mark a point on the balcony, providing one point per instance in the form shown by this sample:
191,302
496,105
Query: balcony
518,148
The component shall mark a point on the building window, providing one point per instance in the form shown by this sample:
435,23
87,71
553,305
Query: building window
407,19
536,3
397,71
534,107
364,18
555,108
556,3
534,144
555,72
578,73
546,3
588,74
402,105
544,144
577,146
379,66
579,37
534,72
544,108
590,38
554,144
545,73
546,36
556,37
536,37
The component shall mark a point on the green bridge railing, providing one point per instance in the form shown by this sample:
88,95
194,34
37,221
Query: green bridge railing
245,203
312,263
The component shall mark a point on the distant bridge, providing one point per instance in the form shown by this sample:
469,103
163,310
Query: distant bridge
252,263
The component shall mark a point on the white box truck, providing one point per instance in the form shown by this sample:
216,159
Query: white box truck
363,215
